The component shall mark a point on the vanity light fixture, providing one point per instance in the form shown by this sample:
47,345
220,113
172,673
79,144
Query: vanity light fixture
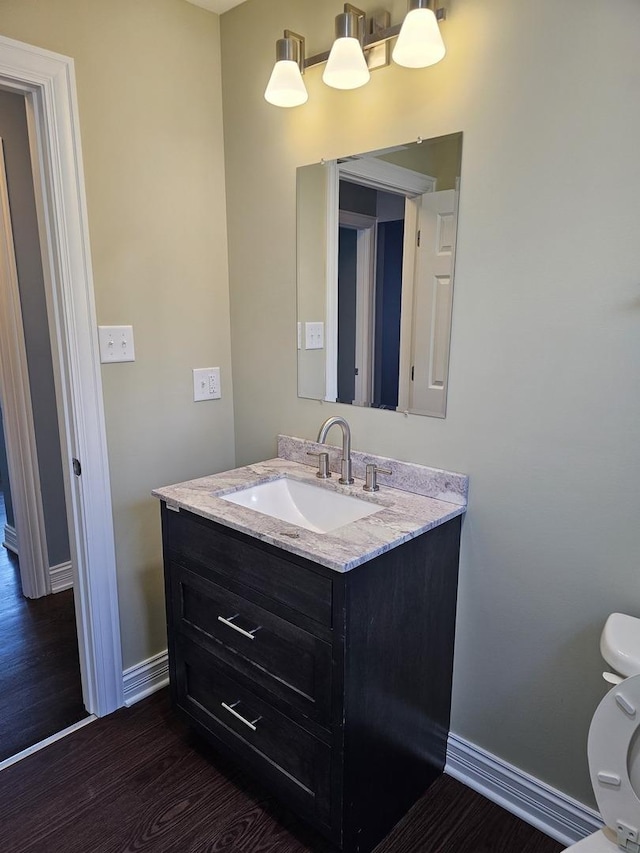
347,67
356,50
286,87
419,43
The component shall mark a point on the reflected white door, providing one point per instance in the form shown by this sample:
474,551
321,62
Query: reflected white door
432,302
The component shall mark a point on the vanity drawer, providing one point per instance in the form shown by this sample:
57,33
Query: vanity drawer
290,663
191,538
285,754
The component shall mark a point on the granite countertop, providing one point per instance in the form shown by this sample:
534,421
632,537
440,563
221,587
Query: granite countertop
402,516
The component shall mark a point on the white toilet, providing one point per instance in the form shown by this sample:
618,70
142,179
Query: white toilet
614,742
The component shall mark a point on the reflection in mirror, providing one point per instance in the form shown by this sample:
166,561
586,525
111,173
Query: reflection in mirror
376,248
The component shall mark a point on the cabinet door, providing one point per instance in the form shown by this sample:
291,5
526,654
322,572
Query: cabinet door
288,662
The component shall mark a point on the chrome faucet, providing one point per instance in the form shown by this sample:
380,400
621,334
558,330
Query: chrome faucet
345,464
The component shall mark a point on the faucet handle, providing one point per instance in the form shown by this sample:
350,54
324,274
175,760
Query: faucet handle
323,472
371,481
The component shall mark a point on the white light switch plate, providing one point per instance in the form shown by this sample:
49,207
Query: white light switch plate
116,343
206,384
314,335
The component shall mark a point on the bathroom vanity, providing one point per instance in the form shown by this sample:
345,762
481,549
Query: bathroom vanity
321,662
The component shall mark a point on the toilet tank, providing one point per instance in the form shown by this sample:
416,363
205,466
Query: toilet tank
620,644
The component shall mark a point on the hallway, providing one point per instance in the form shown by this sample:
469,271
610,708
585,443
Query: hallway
40,690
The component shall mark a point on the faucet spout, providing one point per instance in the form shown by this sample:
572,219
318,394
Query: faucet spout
346,477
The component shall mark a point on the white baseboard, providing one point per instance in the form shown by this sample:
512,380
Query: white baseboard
145,678
549,810
10,538
61,577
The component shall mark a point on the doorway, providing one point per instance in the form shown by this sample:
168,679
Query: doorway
369,283
40,684
47,82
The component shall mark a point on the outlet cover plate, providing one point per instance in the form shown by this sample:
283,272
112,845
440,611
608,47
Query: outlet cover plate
206,384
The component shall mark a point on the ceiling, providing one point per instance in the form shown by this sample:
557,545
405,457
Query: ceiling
218,6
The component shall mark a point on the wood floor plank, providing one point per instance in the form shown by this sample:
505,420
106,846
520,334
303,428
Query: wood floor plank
139,781
40,688
450,818
93,770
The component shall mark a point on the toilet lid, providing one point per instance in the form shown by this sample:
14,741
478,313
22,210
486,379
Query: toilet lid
613,727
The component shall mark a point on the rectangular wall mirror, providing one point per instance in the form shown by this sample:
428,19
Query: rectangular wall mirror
376,239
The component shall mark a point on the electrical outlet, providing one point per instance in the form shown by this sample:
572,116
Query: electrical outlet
206,384
116,343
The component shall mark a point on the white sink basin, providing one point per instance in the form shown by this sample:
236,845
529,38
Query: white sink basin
306,505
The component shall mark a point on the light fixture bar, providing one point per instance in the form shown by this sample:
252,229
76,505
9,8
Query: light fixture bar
376,38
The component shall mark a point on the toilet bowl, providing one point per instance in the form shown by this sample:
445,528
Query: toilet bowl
614,742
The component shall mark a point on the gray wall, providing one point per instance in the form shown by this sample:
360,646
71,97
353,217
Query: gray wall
543,407
13,130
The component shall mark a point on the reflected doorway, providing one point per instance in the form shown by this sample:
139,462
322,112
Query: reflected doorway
370,275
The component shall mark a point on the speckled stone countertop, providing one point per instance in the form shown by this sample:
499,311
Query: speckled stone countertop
402,516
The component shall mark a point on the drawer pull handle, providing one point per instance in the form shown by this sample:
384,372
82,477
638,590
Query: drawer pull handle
230,709
230,624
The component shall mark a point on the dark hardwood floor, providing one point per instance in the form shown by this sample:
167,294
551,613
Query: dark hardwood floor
40,691
138,780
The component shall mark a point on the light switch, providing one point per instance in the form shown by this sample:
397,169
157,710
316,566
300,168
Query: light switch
314,335
206,384
116,343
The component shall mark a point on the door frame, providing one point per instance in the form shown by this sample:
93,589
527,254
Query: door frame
379,175
47,80
409,255
366,237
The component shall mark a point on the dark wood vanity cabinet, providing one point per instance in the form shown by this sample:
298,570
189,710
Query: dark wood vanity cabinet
333,689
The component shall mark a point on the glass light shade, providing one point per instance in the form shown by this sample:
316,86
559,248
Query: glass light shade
286,87
419,43
346,67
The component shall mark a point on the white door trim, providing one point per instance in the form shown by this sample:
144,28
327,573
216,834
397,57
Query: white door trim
48,81
365,228
365,301
331,292
380,175
15,393
409,251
